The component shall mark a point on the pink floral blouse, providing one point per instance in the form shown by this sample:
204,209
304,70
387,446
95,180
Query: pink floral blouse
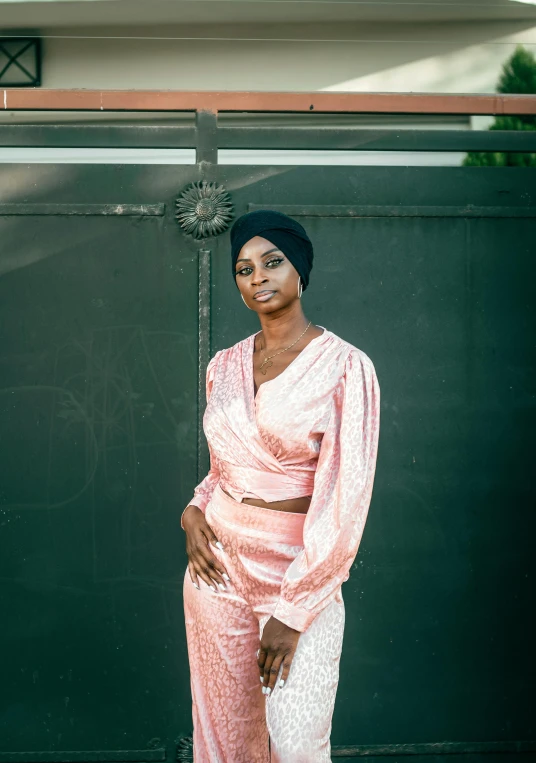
313,430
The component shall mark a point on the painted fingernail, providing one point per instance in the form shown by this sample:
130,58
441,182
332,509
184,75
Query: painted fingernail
268,691
219,545
223,588
195,584
262,680
225,576
258,652
264,690
214,588
281,683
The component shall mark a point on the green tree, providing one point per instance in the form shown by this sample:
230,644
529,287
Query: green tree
518,76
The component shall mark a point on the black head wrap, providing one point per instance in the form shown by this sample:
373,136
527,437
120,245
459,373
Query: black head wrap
284,232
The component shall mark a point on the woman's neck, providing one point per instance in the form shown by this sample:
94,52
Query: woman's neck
280,330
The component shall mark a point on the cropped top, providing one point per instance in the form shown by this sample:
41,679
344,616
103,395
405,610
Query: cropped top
312,430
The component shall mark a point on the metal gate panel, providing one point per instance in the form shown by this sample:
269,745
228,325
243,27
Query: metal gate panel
429,271
98,424
107,310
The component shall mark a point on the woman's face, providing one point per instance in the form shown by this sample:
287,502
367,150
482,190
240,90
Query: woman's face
267,280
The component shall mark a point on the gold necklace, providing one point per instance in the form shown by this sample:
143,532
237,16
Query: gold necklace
269,358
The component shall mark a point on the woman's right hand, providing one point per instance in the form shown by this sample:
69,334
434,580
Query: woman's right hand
201,561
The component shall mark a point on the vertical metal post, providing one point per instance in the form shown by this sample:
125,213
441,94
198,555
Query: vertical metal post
203,327
206,123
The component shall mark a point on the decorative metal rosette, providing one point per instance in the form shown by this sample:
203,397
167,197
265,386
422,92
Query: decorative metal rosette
204,209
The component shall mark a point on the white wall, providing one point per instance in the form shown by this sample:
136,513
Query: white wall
418,57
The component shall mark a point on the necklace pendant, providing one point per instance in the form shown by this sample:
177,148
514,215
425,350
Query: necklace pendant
266,363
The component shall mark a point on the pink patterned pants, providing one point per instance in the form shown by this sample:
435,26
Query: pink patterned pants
234,722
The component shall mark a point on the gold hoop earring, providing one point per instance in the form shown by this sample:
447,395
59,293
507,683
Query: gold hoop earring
300,288
246,304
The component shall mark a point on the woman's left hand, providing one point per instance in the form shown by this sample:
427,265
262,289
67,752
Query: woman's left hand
278,645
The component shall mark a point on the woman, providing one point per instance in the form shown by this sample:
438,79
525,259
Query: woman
292,423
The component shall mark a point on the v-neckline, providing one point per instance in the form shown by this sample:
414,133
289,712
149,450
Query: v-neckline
255,394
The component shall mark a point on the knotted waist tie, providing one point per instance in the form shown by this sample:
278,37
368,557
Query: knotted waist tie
241,482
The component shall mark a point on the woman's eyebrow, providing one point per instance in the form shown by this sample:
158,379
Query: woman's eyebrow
275,249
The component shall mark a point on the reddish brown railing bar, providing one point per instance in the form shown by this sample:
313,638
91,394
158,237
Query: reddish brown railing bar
18,99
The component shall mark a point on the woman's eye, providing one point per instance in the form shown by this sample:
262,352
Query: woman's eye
277,260
244,271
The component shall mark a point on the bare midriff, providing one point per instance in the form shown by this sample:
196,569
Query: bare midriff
293,505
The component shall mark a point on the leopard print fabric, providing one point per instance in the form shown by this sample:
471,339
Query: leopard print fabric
233,721
312,429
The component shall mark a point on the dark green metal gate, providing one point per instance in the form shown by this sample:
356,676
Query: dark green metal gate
109,313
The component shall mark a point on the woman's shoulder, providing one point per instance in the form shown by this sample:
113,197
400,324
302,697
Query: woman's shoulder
233,347
347,354
235,350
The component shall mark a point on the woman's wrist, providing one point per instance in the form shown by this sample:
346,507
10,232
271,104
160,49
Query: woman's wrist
187,513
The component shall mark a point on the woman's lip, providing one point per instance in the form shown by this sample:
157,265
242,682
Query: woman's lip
263,296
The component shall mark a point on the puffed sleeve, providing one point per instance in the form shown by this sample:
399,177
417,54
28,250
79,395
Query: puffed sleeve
341,497
203,492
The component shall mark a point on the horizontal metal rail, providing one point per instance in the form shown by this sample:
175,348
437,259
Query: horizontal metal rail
337,751
355,139
322,210
20,99
432,748
86,210
369,210
86,756
267,138
98,136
